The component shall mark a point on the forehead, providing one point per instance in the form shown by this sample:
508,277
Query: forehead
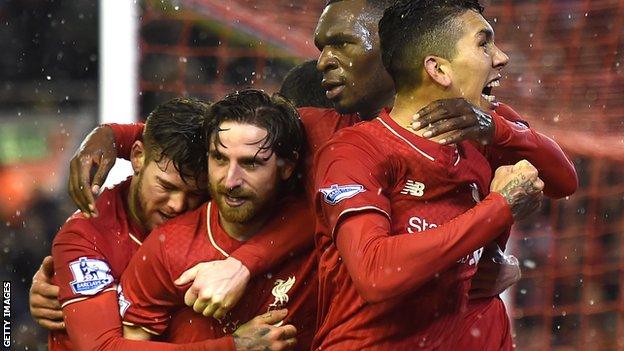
345,17
164,170
239,138
473,24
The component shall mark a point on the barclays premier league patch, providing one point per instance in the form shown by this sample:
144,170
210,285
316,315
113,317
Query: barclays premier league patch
123,302
336,193
90,276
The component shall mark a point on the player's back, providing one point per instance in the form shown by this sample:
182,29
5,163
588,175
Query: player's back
423,185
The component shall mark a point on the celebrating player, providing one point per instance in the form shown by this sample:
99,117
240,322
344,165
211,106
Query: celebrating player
255,143
403,219
90,253
354,76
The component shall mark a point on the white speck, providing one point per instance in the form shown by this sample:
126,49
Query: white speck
529,264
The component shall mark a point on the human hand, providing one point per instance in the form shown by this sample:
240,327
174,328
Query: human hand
261,334
97,150
495,273
450,121
520,186
43,298
217,286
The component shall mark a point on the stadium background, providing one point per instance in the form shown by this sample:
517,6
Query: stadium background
565,76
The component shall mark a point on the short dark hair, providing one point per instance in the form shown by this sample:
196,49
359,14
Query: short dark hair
412,29
302,86
285,134
378,5
174,131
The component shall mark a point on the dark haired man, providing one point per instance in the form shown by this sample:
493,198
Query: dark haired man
255,143
356,81
399,215
90,253
302,86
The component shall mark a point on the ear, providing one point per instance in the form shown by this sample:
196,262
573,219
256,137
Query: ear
439,70
288,168
137,156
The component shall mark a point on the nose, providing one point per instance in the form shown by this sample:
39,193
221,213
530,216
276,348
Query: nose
500,58
233,177
326,61
178,202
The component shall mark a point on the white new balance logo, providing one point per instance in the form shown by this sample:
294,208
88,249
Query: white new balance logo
413,188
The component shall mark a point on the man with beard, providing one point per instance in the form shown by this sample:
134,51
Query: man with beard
359,86
90,253
255,143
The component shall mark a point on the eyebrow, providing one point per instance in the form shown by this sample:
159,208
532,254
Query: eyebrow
489,34
334,38
166,183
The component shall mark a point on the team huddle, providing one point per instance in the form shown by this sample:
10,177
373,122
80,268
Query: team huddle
365,207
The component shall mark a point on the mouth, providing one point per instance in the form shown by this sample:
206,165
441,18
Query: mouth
233,201
486,93
332,88
165,217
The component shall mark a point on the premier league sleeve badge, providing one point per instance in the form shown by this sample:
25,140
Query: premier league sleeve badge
90,276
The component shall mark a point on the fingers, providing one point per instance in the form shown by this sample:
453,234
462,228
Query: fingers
190,297
455,137
454,123
271,317
74,187
187,276
47,267
52,315
221,312
38,301
42,286
84,185
200,305
51,325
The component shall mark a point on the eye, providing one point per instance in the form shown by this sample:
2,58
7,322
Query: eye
250,164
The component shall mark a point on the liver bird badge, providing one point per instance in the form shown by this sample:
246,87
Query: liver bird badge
280,291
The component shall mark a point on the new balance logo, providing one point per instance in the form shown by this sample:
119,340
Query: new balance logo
413,188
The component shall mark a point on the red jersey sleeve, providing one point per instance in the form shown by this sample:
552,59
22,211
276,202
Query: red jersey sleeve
347,181
262,252
147,294
358,218
514,140
125,136
105,333
81,271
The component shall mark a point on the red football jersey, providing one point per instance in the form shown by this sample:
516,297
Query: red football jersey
91,253
418,185
149,297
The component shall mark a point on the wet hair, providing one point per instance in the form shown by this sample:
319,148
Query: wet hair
409,31
302,86
173,131
275,114
377,5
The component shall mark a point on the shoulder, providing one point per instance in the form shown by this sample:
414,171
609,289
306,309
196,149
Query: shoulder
178,234
359,137
98,229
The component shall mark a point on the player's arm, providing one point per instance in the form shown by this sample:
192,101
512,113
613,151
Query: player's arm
218,285
510,140
104,333
384,266
513,141
99,150
84,298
